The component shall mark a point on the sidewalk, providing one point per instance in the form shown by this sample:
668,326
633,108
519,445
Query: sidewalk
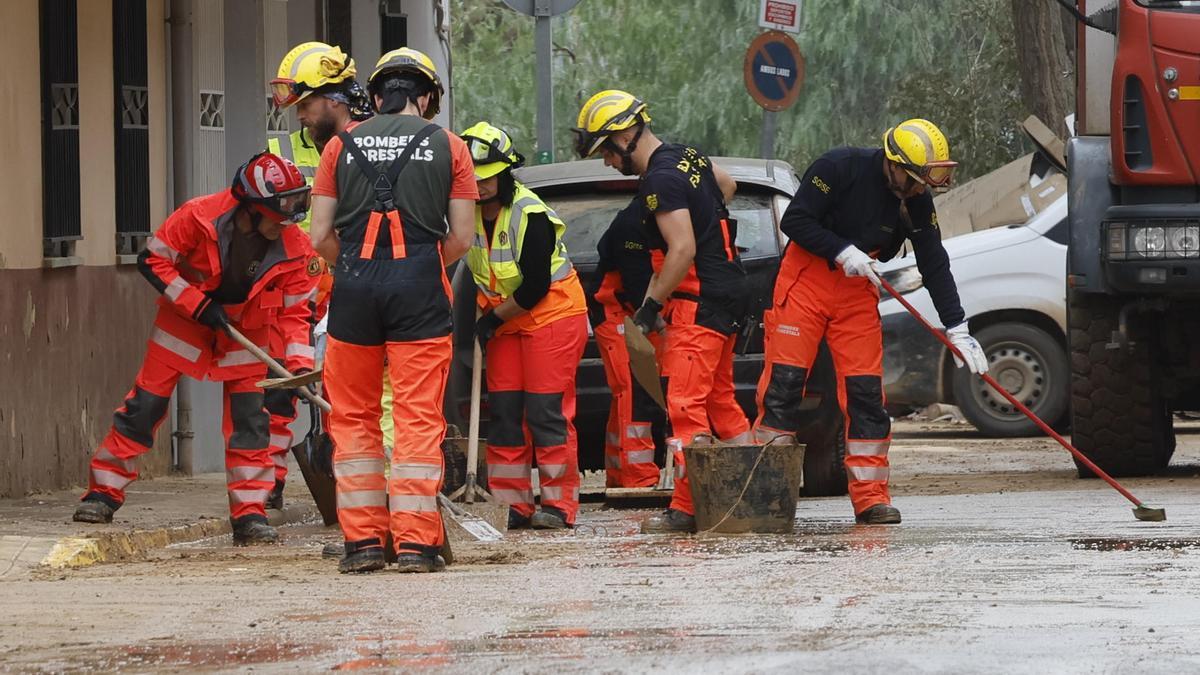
38,530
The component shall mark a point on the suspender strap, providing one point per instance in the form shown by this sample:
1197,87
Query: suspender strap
384,182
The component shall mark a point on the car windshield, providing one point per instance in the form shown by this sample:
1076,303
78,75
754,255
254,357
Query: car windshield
587,216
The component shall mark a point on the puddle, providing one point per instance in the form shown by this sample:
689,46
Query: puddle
1118,544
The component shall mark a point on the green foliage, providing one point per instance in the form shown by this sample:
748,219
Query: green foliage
870,64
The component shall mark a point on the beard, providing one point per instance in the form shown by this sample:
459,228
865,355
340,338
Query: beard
323,130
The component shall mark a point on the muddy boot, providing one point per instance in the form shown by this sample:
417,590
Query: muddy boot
550,518
669,521
879,514
93,511
409,562
333,551
362,561
517,521
250,530
275,499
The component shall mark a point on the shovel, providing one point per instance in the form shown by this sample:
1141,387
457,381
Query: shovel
278,369
643,362
1140,510
470,488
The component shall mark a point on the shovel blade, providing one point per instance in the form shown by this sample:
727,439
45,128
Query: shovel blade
643,363
1149,514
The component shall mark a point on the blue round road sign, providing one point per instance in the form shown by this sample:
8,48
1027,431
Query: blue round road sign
774,70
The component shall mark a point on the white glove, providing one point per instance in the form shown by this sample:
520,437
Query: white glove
855,263
969,346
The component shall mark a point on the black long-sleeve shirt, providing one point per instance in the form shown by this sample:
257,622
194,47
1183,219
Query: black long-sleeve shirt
844,200
537,247
623,249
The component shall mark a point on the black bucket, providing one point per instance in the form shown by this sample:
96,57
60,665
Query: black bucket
745,488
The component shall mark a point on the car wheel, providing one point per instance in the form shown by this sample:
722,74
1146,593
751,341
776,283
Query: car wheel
1031,365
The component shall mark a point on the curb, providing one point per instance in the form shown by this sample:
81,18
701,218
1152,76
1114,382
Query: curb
77,552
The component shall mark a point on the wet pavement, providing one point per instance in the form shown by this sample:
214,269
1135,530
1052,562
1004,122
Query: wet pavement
1004,563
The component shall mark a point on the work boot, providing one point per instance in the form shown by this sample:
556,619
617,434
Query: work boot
879,514
409,562
550,518
250,530
333,551
93,511
670,520
275,498
362,561
516,521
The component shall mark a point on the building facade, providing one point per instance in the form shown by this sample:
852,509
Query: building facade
117,111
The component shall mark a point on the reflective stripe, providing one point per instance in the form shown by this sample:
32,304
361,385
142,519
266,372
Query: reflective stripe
552,470
612,461
556,493
513,496
265,474
237,357
417,471
412,503
281,440
159,248
175,289
638,431
174,345
109,479
869,472
612,439
280,459
358,467
640,456
508,470
362,499
289,300
247,496
867,448
103,454
299,349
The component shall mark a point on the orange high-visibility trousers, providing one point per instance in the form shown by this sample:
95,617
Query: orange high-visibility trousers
628,438
281,405
697,363
531,400
813,302
249,471
370,504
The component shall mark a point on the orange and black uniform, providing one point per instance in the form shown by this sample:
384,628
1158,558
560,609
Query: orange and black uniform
199,256
533,357
704,311
390,298
622,275
844,200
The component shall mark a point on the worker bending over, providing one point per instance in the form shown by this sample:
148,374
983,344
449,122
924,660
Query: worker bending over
856,206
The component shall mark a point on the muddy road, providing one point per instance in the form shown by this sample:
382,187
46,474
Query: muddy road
1004,563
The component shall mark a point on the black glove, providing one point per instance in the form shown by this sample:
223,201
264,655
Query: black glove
486,327
212,314
647,317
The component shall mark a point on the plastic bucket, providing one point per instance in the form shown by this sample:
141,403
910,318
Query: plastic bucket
745,488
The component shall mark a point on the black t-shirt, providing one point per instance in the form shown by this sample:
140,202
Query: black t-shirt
844,200
680,177
623,249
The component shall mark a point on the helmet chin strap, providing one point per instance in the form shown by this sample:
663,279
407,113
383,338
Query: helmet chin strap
627,153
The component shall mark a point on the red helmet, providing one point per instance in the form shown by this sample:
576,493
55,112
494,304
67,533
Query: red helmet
272,186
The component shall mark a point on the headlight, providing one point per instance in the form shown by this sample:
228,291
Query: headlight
1149,242
1152,240
1185,241
904,280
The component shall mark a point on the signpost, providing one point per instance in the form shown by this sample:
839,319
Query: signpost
541,11
774,74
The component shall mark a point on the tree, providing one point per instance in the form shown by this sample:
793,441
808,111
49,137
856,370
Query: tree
1045,70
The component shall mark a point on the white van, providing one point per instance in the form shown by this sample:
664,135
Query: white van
1012,283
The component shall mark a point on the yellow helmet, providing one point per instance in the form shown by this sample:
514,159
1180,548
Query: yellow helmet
921,149
604,114
491,149
412,61
308,67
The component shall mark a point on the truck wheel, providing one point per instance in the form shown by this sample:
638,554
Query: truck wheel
824,441
1119,418
1029,363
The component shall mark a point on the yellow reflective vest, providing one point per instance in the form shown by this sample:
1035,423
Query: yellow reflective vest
301,151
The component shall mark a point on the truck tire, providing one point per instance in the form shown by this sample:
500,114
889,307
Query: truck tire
1032,365
1119,418
824,460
